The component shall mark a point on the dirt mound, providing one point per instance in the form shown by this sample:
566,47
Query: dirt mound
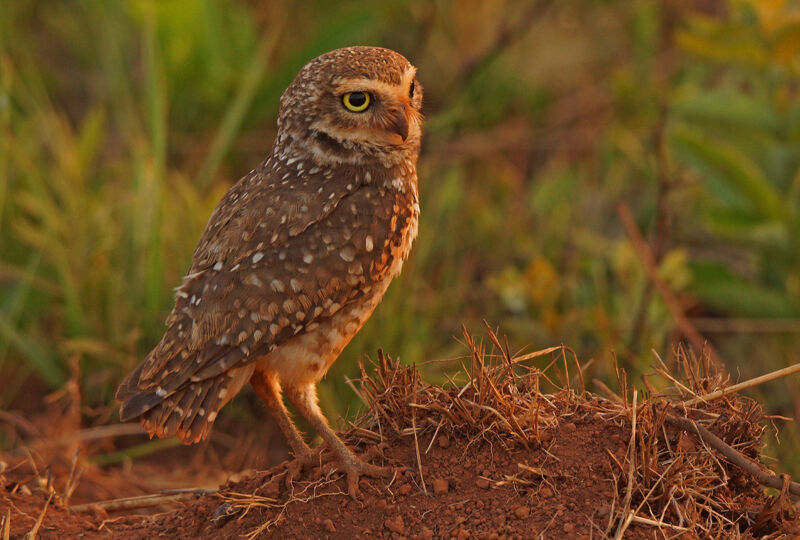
494,457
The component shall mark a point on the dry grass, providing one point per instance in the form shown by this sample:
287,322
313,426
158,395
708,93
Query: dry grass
239,504
500,402
673,477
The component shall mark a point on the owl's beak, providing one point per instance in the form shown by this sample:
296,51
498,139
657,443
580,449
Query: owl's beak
398,123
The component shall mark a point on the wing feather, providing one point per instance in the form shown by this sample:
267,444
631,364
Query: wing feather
271,262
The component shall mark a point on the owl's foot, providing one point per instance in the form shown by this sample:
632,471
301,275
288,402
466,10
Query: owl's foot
354,467
304,399
304,459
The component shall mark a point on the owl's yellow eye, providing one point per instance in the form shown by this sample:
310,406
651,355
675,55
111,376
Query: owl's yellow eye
356,101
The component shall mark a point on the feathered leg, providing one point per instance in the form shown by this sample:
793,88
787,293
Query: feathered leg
304,399
269,390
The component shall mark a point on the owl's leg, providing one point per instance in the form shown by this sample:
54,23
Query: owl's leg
304,399
269,390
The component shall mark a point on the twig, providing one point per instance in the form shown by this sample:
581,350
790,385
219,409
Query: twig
654,523
144,501
72,479
764,478
435,433
31,535
416,449
535,354
416,441
7,525
664,371
624,523
777,374
670,300
248,501
349,382
581,370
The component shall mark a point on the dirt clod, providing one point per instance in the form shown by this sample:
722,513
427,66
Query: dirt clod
440,486
395,524
522,511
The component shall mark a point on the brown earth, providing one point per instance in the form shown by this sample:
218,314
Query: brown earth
494,458
474,490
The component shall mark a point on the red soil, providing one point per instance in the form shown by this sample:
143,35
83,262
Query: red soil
495,458
473,489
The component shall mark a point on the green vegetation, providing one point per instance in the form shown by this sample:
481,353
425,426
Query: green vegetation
123,123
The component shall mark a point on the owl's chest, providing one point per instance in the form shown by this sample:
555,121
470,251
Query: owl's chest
388,240
402,228
306,358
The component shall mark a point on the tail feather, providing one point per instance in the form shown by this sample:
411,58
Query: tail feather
207,410
134,401
188,412
183,404
129,385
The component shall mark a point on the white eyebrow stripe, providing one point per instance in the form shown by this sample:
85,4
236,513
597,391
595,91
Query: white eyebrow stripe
343,86
359,85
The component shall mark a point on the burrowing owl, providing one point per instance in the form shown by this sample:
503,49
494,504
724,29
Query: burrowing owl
295,257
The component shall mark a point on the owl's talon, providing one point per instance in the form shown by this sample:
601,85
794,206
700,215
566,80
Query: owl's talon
296,466
355,468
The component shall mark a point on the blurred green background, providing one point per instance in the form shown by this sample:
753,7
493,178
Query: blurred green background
123,123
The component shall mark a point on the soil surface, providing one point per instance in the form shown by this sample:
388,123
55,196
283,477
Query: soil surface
473,489
494,459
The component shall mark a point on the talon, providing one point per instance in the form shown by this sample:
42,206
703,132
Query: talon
357,468
295,467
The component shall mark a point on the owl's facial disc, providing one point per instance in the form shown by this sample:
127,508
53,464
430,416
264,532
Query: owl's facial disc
396,121
368,113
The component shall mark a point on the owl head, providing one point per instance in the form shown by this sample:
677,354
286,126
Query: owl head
353,103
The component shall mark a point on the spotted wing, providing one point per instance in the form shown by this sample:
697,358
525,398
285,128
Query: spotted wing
238,304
